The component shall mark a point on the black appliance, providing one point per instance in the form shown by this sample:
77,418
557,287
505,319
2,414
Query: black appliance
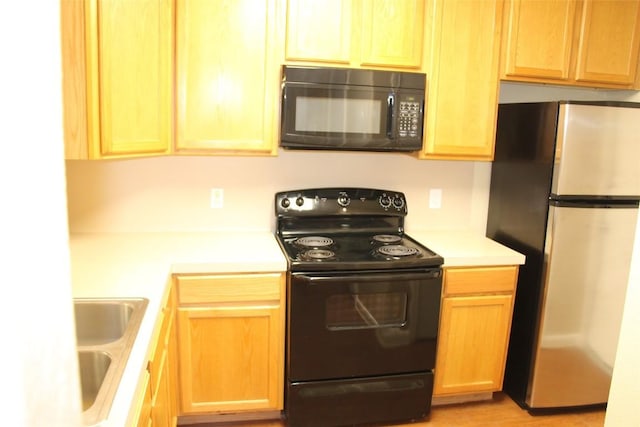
564,192
352,109
363,303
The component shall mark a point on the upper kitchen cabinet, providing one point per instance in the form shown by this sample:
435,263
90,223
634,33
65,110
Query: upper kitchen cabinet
227,76
463,79
356,33
117,59
581,43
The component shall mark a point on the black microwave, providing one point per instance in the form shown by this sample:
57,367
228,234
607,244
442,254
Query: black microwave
352,109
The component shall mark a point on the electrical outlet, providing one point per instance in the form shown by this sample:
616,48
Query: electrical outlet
435,198
217,198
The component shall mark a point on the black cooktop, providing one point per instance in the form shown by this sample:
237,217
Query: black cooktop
347,229
356,252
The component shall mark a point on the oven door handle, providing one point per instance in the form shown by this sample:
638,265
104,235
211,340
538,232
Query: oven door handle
364,278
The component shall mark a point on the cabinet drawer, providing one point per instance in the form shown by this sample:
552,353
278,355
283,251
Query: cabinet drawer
459,281
229,288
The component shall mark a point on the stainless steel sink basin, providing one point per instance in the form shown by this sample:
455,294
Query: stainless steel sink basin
101,322
94,366
106,330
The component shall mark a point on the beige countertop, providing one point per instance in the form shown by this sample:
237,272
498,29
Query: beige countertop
118,265
466,248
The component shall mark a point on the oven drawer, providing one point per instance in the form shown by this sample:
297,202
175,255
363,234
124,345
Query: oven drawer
362,400
229,288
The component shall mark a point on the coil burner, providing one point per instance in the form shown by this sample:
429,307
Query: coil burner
314,241
387,238
317,254
397,250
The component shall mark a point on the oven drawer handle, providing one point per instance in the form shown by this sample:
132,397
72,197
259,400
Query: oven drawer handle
381,386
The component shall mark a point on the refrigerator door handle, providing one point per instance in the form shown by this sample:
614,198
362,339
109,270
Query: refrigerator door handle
594,202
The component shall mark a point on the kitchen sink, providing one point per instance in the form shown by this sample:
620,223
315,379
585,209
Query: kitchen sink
105,331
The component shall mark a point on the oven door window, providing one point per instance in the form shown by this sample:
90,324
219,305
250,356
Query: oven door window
358,311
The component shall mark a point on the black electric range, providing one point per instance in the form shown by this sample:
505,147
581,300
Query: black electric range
363,303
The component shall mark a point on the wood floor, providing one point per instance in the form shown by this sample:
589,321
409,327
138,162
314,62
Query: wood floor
500,412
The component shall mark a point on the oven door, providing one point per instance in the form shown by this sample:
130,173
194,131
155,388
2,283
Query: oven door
344,325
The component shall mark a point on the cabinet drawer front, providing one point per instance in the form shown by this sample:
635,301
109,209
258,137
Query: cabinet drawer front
229,288
480,280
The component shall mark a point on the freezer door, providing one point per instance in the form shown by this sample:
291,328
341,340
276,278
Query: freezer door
597,151
587,261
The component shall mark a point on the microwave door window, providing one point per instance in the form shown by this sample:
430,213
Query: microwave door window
338,115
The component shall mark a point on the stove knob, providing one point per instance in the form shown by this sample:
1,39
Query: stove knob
398,202
300,201
285,203
344,200
385,201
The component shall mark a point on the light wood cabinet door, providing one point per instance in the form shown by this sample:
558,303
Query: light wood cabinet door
142,408
591,43
356,33
319,31
463,80
231,358
475,323
117,77
162,368
609,42
172,361
472,343
161,405
231,342
227,76
392,33
539,38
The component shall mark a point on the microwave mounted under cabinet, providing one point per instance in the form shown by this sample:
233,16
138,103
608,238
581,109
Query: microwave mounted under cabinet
352,109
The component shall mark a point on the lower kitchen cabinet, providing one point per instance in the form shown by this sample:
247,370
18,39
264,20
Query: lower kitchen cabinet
159,407
231,342
142,407
475,322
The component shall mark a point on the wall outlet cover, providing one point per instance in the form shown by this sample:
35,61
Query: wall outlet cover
217,198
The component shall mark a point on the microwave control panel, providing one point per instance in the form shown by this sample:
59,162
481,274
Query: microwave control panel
409,115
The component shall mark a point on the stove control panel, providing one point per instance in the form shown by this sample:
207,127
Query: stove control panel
340,201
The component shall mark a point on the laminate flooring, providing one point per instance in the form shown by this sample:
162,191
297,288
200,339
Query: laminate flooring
499,412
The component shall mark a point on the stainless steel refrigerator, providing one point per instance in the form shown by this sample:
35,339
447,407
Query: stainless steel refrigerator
564,192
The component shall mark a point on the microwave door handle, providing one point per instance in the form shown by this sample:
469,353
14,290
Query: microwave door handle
390,102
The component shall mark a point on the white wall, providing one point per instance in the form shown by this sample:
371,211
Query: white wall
622,410
38,362
625,387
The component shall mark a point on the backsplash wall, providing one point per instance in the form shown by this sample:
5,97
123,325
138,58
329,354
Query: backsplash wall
173,193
